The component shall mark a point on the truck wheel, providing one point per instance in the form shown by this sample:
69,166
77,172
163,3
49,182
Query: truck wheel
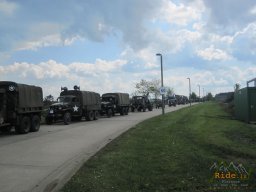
126,111
90,116
24,126
67,118
96,115
132,109
35,123
144,109
150,108
6,129
122,111
109,113
48,120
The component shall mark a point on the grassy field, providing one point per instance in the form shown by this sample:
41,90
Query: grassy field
171,153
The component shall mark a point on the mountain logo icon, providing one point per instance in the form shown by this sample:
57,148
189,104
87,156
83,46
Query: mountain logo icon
231,167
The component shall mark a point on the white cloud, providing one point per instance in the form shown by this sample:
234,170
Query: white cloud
179,14
49,69
100,66
7,8
227,17
253,10
53,69
46,41
212,53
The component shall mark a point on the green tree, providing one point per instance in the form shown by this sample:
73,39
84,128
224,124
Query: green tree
193,96
151,87
48,100
209,97
169,91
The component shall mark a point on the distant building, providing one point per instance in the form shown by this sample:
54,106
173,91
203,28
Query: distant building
224,97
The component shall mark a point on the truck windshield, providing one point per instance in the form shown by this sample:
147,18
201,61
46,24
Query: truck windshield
137,98
107,99
64,99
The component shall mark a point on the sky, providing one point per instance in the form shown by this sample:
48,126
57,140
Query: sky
110,45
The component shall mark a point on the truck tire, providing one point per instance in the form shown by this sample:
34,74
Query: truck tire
35,123
6,129
132,109
96,115
48,120
126,110
90,116
122,111
24,126
109,113
144,109
67,118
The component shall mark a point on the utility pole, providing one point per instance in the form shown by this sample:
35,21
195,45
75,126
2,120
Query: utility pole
162,82
189,91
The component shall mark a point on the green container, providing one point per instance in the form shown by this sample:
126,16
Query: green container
245,104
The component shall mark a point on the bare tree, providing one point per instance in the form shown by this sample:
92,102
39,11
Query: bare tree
169,91
152,87
237,87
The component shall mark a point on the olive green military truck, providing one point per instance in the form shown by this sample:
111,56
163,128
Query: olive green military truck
73,105
112,103
20,106
141,103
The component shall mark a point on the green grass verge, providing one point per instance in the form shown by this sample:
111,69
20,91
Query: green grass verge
170,153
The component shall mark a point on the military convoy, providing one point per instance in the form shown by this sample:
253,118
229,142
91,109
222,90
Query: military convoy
112,103
73,105
20,106
177,100
141,103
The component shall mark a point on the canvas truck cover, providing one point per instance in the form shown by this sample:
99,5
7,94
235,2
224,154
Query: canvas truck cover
28,96
122,98
86,97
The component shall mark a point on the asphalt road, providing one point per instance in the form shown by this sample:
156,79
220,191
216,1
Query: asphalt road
45,160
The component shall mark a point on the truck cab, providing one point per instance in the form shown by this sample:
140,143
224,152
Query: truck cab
73,105
172,101
141,103
112,103
65,108
108,105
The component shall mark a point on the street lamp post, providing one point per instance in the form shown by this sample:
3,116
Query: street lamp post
162,83
189,91
199,92
203,94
